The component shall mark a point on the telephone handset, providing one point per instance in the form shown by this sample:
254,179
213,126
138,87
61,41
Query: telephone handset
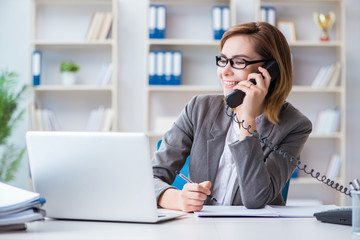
236,97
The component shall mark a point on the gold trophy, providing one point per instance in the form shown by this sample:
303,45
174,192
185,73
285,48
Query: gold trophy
325,22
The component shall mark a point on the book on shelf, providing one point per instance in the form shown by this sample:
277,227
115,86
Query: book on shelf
157,21
44,120
327,121
100,26
100,119
220,21
268,14
327,76
105,74
36,60
18,206
165,67
333,168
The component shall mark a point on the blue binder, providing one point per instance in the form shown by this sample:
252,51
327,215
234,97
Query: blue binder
152,68
157,21
177,68
221,20
36,60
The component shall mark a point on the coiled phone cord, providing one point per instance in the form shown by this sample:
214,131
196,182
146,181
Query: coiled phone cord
297,163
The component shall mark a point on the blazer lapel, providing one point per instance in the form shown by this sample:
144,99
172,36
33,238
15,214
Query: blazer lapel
215,145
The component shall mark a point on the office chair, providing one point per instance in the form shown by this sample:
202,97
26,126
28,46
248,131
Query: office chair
179,182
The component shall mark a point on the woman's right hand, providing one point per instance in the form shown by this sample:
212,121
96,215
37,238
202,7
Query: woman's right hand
193,195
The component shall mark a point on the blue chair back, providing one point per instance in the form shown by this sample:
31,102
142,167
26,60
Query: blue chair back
179,182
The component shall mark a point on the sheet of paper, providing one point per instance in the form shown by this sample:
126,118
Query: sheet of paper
12,197
301,211
268,211
236,211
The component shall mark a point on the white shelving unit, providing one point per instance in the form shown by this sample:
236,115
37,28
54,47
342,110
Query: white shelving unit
189,30
309,54
58,29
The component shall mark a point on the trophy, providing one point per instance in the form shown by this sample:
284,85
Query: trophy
325,22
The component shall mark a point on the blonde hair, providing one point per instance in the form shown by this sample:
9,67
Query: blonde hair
269,43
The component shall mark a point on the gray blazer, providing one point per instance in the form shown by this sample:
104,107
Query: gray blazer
200,132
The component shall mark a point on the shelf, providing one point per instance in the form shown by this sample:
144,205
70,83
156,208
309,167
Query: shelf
304,89
44,88
184,88
326,136
304,43
303,1
184,42
50,43
203,88
309,180
72,1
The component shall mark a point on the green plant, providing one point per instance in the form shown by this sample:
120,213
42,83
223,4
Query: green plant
9,115
69,67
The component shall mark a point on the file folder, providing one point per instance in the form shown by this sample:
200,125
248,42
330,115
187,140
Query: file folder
36,67
161,21
177,67
152,68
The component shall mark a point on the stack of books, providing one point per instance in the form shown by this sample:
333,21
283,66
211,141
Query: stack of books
100,119
44,120
18,207
100,26
333,167
327,121
327,76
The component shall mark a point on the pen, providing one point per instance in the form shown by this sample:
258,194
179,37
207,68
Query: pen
356,184
189,181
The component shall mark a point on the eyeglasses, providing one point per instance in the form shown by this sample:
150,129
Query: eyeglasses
237,63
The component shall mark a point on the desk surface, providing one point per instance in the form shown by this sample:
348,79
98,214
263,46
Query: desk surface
186,228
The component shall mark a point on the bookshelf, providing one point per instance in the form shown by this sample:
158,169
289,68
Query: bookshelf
188,30
309,55
59,29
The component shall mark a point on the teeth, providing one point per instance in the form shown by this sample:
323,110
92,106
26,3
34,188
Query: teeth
230,83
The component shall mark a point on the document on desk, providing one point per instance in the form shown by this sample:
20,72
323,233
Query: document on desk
267,211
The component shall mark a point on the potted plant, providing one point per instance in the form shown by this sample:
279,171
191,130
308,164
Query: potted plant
68,72
10,155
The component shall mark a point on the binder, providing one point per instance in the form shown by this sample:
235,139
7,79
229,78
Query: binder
159,73
177,67
152,68
152,21
36,67
157,21
221,20
216,16
168,65
225,23
161,21
268,14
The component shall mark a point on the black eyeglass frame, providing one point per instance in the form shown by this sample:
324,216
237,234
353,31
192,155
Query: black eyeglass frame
247,63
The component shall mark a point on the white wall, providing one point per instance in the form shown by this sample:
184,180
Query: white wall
13,55
13,43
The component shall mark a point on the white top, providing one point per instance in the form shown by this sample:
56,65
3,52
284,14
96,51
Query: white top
226,174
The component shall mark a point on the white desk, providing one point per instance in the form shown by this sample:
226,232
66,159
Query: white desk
187,228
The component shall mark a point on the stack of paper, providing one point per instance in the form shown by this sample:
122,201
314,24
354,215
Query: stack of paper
267,211
18,206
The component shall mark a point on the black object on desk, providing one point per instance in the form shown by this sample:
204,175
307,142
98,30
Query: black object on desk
338,216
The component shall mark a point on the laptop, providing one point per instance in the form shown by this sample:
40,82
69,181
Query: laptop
104,176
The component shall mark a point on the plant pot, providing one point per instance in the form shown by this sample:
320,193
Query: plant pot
68,78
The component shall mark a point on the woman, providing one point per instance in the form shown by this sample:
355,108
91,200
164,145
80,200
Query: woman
226,159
